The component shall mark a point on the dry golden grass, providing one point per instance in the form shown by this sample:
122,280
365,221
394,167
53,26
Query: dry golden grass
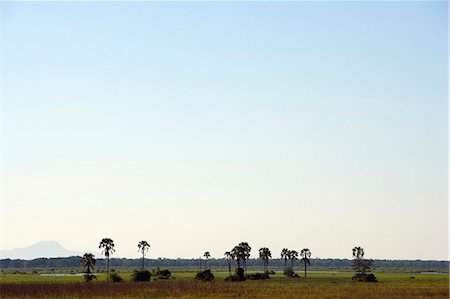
392,286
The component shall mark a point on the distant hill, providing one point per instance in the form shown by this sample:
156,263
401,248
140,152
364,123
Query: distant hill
39,250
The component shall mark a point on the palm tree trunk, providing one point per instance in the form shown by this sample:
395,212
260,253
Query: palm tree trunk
305,268
107,270
143,260
285,261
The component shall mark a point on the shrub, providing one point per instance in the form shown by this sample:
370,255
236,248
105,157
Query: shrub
206,275
116,277
163,274
364,278
139,275
289,272
258,276
238,276
89,277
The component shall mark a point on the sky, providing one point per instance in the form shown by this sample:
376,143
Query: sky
198,125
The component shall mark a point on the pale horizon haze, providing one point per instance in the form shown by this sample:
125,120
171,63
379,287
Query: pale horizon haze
198,125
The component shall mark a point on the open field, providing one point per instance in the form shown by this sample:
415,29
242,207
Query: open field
317,285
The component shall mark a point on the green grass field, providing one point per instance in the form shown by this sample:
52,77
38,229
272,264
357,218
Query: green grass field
317,285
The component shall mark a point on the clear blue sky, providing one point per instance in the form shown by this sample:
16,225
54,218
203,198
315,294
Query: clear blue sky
195,126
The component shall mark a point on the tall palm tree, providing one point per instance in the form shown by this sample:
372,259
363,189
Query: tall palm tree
108,248
88,263
360,264
227,255
237,254
207,255
143,247
293,256
285,256
245,254
265,255
305,254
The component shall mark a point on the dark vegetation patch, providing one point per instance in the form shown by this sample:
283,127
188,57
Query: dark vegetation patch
206,275
139,275
116,277
258,276
238,276
364,278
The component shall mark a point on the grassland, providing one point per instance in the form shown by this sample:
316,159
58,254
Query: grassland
317,285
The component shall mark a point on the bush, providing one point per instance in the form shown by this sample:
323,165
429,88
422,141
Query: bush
206,275
258,276
89,277
116,277
289,272
163,274
238,276
139,275
364,278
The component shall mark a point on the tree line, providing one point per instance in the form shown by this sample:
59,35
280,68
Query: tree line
240,254
73,262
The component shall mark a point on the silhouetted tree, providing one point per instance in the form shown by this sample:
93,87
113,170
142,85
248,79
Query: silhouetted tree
143,247
265,255
237,254
285,256
305,254
358,252
227,255
360,264
246,254
207,255
107,245
88,263
293,256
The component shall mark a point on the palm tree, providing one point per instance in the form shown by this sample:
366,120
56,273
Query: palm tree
143,247
108,248
227,255
245,253
293,256
88,263
265,255
305,254
360,264
237,254
358,252
206,255
285,256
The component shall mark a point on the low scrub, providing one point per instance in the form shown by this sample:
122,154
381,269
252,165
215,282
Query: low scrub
139,275
162,274
364,278
258,276
116,277
238,276
206,275
289,272
89,277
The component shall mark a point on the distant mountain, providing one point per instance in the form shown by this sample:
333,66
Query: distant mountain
40,249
